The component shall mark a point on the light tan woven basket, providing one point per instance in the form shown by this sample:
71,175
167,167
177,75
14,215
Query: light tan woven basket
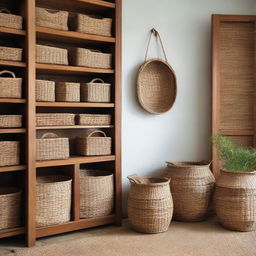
93,119
10,87
45,90
10,201
10,20
51,55
55,119
66,91
53,200
96,91
9,153
50,147
92,24
90,58
150,205
10,53
96,193
192,187
11,121
52,18
96,143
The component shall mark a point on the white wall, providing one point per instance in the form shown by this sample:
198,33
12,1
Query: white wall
182,133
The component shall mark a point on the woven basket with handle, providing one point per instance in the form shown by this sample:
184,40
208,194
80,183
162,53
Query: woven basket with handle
10,87
96,143
10,121
45,90
10,20
66,91
10,53
94,119
96,91
9,153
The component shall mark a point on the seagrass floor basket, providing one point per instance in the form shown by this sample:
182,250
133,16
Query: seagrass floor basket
10,202
96,193
9,20
93,119
55,119
53,200
9,153
10,121
10,53
45,90
67,92
150,205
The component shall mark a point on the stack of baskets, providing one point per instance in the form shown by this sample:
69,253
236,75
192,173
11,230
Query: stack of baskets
9,153
9,20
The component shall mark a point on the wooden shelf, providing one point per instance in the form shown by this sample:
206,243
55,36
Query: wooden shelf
10,63
13,168
74,127
75,104
74,225
6,100
237,132
72,70
71,36
76,160
11,232
13,130
12,31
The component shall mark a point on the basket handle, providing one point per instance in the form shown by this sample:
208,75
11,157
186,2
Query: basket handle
8,72
97,79
134,178
154,32
5,10
49,135
96,131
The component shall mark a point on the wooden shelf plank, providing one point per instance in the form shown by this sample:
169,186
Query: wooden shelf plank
237,132
74,127
10,63
12,31
7,100
75,104
71,36
12,232
74,225
98,2
76,160
12,168
12,130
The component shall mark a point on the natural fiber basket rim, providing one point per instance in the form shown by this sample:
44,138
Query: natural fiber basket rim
95,173
189,164
48,179
9,190
159,181
234,172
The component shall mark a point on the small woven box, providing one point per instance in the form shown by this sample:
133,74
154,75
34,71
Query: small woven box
55,119
10,121
66,91
10,53
93,119
45,90
9,20
9,153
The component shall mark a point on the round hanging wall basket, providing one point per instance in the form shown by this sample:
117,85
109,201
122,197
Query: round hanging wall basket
156,83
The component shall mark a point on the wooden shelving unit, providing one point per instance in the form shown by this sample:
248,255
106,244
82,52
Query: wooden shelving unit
30,71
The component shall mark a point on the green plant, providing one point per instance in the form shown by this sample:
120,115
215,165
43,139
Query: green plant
235,158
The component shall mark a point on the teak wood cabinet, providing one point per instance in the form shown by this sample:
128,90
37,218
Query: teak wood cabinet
24,175
233,80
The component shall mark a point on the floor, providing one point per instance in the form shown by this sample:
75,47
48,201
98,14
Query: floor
206,238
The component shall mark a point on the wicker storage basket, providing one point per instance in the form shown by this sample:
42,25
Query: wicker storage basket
51,55
45,90
10,20
96,193
55,119
11,121
150,205
235,200
53,200
90,58
9,153
92,24
191,186
51,18
93,119
10,201
96,91
96,143
68,92
50,147
10,53
10,87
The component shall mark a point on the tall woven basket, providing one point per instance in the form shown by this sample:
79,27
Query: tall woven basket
10,20
10,201
53,200
150,205
191,186
235,200
96,193
9,153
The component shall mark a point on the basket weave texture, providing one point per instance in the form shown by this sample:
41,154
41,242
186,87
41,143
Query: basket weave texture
96,91
96,193
50,147
66,91
10,201
55,119
96,143
10,20
10,87
45,90
53,200
150,205
235,200
11,121
191,186
51,18
51,55
90,58
10,53
9,153
93,119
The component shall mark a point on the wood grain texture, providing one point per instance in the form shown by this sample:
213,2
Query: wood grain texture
12,31
75,104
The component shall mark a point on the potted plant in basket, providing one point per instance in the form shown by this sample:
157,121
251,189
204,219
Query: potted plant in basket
235,192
